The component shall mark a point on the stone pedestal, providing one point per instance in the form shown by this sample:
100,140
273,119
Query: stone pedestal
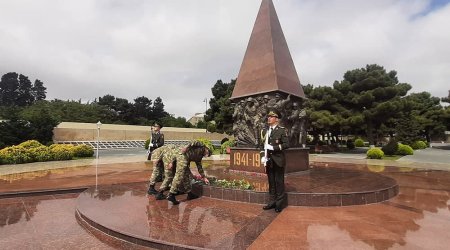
249,160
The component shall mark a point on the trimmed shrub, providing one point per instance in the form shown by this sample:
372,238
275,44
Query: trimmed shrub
225,145
375,153
207,143
62,152
15,155
391,148
404,150
419,145
350,144
41,153
30,144
83,151
359,142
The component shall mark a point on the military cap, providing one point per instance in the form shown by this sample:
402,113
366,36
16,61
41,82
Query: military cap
157,124
274,113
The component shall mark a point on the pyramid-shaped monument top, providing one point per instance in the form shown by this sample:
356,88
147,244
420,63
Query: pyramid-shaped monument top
267,65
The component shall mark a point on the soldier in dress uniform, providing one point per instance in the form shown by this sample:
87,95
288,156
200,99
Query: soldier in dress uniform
275,140
157,141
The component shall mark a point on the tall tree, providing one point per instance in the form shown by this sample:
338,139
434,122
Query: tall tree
41,122
373,93
158,111
427,112
25,97
9,89
221,110
38,90
325,113
143,107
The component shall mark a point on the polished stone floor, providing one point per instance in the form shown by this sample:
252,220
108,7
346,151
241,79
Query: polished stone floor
417,218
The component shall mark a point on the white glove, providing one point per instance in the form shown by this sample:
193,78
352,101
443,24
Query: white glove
150,145
268,147
263,160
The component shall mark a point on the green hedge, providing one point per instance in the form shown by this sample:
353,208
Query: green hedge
207,143
33,151
375,153
359,142
225,145
404,150
15,155
83,151
419,145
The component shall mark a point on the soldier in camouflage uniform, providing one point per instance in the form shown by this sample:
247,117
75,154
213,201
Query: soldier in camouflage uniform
164,154
183,175
171,156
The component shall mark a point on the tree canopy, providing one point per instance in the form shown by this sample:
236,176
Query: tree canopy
221,110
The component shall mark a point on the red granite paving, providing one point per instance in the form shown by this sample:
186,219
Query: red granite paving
417,218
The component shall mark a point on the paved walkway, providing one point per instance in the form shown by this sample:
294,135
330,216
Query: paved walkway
418,218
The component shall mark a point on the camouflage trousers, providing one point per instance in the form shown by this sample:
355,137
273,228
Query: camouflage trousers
182,180
157,173
168,178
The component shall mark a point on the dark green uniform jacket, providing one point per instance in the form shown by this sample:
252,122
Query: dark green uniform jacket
279,140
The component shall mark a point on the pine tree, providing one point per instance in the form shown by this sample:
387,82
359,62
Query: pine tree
38,90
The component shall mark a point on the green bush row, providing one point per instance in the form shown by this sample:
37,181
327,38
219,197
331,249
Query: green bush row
33,151
375,153
359,142
401,149
225,145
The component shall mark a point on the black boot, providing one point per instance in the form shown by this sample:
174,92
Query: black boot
172,199
191,196
160,195
152,190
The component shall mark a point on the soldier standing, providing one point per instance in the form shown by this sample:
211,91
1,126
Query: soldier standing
275,140
156,141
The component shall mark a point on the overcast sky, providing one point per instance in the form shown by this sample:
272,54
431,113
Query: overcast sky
178,49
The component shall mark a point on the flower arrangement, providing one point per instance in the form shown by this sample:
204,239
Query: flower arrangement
233,184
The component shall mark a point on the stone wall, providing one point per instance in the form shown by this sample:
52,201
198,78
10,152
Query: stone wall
69,131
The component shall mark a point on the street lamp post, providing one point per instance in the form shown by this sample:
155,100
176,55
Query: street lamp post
99,124
204,117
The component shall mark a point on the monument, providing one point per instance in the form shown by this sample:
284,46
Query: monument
267,80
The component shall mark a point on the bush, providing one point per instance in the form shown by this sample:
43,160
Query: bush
225,145
419,145
61,152
404,150
391,148
375,153
350,144
30,144
83,151
40,154
359,142
15,155
207,143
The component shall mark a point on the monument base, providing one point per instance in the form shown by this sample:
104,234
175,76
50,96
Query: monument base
249,160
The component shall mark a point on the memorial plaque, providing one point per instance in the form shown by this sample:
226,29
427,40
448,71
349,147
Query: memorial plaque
249,160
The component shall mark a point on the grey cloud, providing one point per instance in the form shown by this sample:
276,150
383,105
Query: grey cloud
177,49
